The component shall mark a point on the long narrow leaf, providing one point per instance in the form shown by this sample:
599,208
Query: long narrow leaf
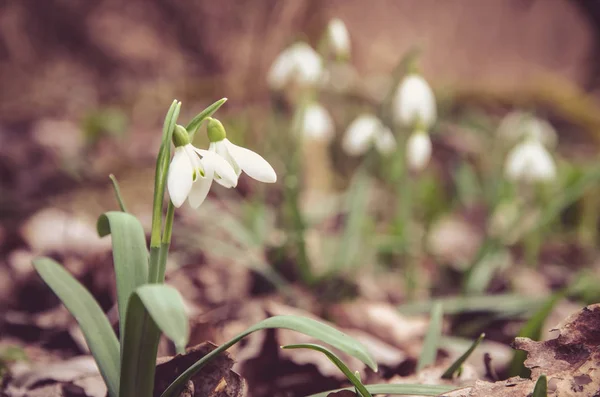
432,338
166,307
503,303
398,389
193,125
338,363
152,308
130,256
306,326
96,329
138,356
449,373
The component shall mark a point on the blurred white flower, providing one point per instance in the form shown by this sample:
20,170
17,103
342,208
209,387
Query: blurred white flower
317,123
529,161
367,130
191,173
414,103
418,150
517,125
298,64
338,38
240,158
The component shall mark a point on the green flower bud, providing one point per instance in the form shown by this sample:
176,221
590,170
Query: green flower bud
180,136
215,130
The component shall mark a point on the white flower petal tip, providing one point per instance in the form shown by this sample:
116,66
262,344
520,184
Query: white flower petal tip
365,131
339,38
414,103
529,161
418,151
298,64
317,123
253,164
240,159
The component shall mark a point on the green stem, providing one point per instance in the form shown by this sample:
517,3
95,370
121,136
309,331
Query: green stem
166,243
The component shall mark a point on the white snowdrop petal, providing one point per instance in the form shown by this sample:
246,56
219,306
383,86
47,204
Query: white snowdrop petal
317,123
530,161
180,177
252,163
385,142
201,187
414,102
360,134
338,35
281,71
223,171
418,150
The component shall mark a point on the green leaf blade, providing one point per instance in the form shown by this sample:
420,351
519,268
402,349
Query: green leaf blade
130,256
307,326
337,362
96,329
152,308
166,307
432,338
194,125
449,373
398,389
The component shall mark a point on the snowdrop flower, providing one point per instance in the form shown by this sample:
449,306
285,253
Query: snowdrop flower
317,124
418,150
239,158
367,130
298,64
414,103
192,171
338,38
529,161
517,126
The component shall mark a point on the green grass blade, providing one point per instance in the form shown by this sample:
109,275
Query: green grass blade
139,349
96,329
166,307
130,256
399,390
194,125
541,387
449,373
432,338
503,304
338,363
307,326
118,194
170,120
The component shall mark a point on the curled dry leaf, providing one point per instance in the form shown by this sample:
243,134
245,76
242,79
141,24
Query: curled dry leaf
570,362
215,379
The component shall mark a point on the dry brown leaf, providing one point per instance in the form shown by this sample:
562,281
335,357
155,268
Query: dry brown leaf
570,362
215,379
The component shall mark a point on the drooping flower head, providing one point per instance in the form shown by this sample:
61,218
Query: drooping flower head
316,122
365,131
298,65
192,171
239,158
414,103
418,150
338,38
518,125
529,161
